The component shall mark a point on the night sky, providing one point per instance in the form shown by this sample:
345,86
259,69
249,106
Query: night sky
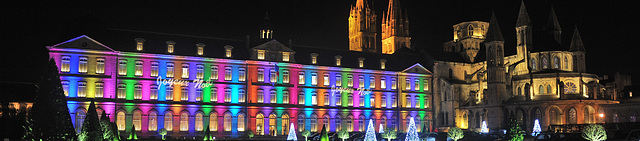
608,29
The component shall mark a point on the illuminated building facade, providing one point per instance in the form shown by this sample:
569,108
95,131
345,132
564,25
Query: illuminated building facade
186,83
549,82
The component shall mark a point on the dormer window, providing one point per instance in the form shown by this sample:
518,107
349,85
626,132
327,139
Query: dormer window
361,62
200,48
261,54
170,45
227,50
285,56
314,58
383,63
338,60
139,42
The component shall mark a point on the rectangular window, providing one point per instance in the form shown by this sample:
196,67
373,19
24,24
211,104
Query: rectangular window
301,78
138,68
383,83
227,73
82,89
372,82
122,93
227,53
417,84
338,80
99,90
82,64
394,99
361,100
285,56
360,81
372,99
198,94
273,77
407,84
66,61
314,60
285,76
314,100
100,66
241,95
227,95
242,74
260,75
199,71
214,94
314,78
122,67
153,93
154,69
185,71
408,101
214,73
285,97
301,98
383,99
137,93
184,93
326,79
417,101
272,96
169,93
338,99
170,70
260,96
394,84
261,54
425,85
349,100
326,99
349,80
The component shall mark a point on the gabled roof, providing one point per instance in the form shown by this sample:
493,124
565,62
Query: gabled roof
83,42
494,33
523,16
417,68
273,45
576,41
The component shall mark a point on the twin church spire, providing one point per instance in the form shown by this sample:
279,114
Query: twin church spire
363,28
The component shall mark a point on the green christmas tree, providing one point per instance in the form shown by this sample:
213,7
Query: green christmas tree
91,128
105,125
343,134
50,119
132,134
323,135
455,133
515,132
594,132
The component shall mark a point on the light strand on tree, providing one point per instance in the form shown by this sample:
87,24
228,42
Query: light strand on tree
371,132
412,132
292,134
484,128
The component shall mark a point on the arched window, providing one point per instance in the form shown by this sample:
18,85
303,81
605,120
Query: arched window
120,119
272,122
227,122
260,124
199,125
418,123
554,117
314,123
300,123
184,122
325,122
350,123
338,123
545,62
153,121
588,115
566,63
549,89
285,124
80,116
240,122
573,116
168,121
470,30
361,124
383,121
520,117
533,63
541,90
213,122
137,120
478,119
519,91
393,123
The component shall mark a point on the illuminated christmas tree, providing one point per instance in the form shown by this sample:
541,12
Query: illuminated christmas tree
292,134
484,128
412,132
536,128
381,129
371,132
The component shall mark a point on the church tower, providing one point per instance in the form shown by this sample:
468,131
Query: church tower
577,47
395,29
362,27
523,33
496,74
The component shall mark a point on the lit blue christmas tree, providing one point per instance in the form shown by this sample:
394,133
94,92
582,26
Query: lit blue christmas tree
484,128
536,128
292,134
412,132
371,132
381,129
